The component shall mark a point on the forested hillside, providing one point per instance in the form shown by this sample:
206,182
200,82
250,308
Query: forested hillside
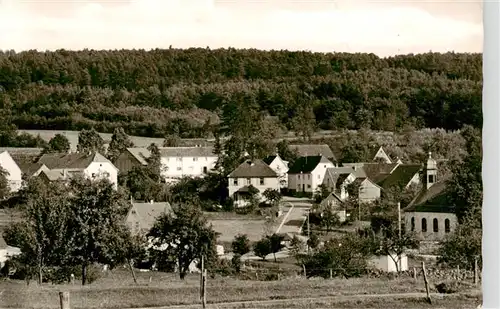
184,92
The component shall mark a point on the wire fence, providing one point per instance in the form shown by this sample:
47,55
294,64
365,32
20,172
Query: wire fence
257,272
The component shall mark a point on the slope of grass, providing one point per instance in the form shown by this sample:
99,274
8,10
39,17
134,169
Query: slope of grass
117,290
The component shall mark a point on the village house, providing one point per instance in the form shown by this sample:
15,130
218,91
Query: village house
402,177
176,162
280,166
379,155
334,202
25,159
338,178
13,173
368,190
142,215
307,173
62,166
429,214
306,150
131,158
375,179
250,175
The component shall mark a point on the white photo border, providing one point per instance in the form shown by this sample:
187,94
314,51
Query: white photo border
491,155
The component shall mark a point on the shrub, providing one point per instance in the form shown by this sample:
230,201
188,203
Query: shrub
262,248
236,263
240,244
453,286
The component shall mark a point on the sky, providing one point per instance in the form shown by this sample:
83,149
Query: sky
383,27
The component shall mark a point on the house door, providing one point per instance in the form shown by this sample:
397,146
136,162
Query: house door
303,187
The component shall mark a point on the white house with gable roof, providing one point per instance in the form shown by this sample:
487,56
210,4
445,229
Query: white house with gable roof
12,171
176,162
62,166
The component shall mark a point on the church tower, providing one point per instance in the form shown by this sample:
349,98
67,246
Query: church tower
430,172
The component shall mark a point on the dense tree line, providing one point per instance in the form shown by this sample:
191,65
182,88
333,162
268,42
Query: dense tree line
184,92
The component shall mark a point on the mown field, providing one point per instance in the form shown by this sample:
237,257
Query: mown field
117,290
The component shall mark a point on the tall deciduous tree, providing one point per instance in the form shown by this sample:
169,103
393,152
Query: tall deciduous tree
90,141
171,140
387,242
154,162
187,237
96,214
463,246
59,143
120,141
42,232
466,185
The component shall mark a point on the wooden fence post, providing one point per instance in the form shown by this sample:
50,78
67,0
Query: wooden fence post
304,269
204,289
426,284
331,273
202,270
64,300
414,273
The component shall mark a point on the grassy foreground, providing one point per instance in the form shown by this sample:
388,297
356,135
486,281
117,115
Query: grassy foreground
117,290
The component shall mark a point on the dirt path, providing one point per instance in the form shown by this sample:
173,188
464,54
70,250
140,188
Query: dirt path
339,298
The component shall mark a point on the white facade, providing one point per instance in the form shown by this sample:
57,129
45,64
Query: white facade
381,155
369,191
14,173
281,168
433,226
387,263
103,169
174,168
309,182
7,253
414,181
260,183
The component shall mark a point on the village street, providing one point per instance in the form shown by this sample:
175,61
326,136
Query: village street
294,214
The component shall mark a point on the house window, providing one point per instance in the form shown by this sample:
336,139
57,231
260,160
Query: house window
308,186
447,225
93,175
424,225
435,226
298,187
205,169
319,176
137,225
179,158
431,178
179,168
261,181
298,176
133,212
195,159
412,224
249,181
308,176
235,181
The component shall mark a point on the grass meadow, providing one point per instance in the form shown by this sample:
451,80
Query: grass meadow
116,289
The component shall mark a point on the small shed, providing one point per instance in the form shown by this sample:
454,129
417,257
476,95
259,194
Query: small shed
7,252
387,263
